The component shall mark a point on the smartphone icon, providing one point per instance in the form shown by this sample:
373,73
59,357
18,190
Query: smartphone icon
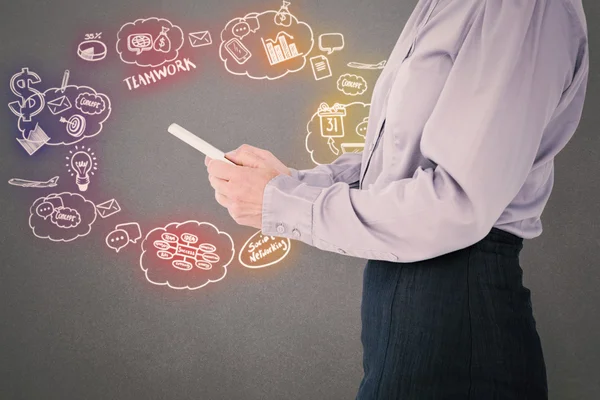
238,51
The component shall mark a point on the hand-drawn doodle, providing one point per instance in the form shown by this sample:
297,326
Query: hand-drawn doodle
62,217
122,235
267,45
336,129
149,42
331,42
58,110
34,184
92,48
261,251
82,163
187,255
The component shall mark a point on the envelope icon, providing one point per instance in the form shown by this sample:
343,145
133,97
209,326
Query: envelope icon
59,105
199,39
108,208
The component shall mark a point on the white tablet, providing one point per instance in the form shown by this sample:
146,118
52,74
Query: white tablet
197,143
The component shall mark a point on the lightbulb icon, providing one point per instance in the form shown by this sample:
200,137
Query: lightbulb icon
82,164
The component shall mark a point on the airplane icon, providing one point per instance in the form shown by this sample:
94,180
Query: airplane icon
34,184
357,65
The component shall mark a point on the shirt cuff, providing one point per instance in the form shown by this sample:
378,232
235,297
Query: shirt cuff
288,208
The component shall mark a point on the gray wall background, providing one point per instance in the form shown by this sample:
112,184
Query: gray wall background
78,321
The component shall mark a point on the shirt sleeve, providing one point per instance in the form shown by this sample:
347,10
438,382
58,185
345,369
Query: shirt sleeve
346,168
482,137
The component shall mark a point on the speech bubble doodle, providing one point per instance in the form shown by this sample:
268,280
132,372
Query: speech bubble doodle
133,230
117,239
241,30
352,85
331,42
90,103
361,129
187,255
261,251
72,217
139,42
324,149
44,210
122,235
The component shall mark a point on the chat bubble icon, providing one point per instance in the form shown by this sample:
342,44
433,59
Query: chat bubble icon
44,210
361,129
139,42
241,30
331,42
117,239
134,232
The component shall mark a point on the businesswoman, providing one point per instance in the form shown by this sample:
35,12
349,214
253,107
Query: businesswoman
475,102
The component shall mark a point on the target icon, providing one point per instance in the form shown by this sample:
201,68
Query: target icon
75,125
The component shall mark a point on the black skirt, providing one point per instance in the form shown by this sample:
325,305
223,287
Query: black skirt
458,326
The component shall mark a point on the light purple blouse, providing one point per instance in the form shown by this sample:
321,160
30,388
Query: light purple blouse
476,100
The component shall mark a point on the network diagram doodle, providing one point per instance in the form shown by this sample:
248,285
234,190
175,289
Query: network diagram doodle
266,45
62,217
187,255
336,129
57,116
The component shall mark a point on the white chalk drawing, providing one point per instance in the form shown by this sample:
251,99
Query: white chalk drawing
82,163
108,208
149,42
358,65
261,251
32,100
62,217
280,49
200,39
59,110
34,184
187,255
238,51
352,85
336,129
331,42
92,48
122,235
59,105
267,45
35,140
320,67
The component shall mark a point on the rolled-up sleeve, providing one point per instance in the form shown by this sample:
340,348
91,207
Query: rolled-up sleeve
482,137
346,168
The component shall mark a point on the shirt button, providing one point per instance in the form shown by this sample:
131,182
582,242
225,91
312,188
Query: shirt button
280,228
397,141
296,233
341,251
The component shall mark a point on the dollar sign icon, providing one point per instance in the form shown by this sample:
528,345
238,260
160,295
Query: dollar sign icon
162,42
32,100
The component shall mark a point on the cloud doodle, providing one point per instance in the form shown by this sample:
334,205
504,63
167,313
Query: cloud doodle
187,255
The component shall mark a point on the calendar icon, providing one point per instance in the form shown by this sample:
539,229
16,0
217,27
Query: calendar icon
332,120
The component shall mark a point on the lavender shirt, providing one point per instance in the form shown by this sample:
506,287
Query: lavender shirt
475,102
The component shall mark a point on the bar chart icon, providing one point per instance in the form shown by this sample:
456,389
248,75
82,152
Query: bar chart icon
281,48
